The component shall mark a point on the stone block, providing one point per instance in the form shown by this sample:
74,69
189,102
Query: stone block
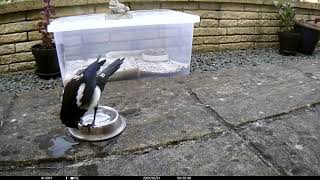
240,30
209,23
266,44
260,8
12,38
222,39
209,6
267,30
209,31
34,35
33,15
197,40
22,66
26,46
19,57
274,16
144,5
74,10
245,45
12,17
18,27
266,38
271,23
227,23
7,49
4,68
205,48
180,5
232,7
101,8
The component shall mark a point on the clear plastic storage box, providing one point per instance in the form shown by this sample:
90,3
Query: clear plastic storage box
154,43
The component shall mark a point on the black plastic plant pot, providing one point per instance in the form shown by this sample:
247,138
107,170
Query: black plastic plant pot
46,62
310,37
289,42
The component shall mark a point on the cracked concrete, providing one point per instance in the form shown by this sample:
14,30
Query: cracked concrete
260,120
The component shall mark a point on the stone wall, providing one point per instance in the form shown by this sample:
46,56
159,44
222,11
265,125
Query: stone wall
225,24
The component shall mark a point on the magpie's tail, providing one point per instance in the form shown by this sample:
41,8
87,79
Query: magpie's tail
105,74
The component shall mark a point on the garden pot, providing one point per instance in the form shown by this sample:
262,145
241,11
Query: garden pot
310,36
289,42
46,62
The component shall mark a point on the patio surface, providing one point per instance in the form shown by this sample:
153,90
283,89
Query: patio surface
262,120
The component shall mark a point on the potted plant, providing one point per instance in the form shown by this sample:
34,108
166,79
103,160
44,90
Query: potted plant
288,38
45,53
310,35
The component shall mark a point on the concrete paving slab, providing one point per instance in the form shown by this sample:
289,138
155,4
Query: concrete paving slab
224,155
158,113
310,68
292,142
244,95
5,104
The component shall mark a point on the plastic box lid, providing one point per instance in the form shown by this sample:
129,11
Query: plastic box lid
140,18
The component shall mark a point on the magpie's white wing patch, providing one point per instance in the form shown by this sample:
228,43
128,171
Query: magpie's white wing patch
80,94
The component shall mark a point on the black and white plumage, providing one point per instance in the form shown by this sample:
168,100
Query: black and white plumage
83,91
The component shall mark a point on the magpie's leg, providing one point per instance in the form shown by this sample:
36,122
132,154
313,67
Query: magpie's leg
94,119
94,115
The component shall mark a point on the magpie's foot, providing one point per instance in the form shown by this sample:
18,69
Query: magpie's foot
89,126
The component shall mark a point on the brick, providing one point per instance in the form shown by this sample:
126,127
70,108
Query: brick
209,31
197,40
12,17
209,23
18,27
26,46
267,30
248,23
7,49
19,57
266,44
34,35
144,5
4,68
228,23
180,5
22,66
205,48
245,45
11,38
240,30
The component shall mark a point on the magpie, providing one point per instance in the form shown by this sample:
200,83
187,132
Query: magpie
83,91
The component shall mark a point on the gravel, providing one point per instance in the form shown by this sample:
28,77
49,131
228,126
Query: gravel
232,59
24,81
